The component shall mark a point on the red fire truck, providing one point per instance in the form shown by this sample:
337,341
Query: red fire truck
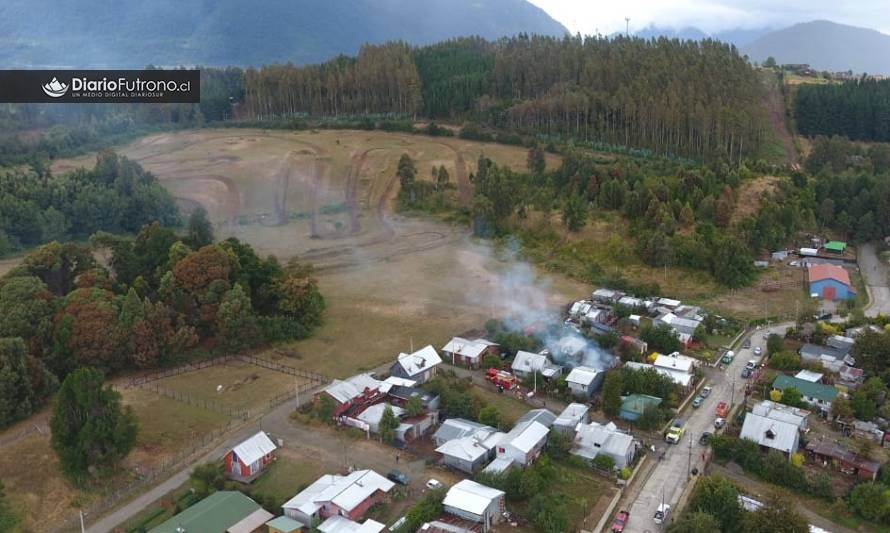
501,378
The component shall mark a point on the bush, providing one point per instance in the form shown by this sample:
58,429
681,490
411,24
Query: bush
491,361
625,473
784,361
603,462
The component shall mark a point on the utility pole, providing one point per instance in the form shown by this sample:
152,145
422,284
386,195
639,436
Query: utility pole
82,528
732,395
627,29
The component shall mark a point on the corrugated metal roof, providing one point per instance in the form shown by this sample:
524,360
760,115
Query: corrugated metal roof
217,512
771,433
813,390
419,361
251,523
582,375
341,524
572,414
465,348
524,437
467,495
254,448
286,524
345,492
829,271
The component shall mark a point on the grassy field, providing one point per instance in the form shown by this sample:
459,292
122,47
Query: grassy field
167,428
290,474
234,385
509,407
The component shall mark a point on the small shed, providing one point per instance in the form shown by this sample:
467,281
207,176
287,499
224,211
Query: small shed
633,406
284,524
571,416
246,461
475,502
836,247
583,381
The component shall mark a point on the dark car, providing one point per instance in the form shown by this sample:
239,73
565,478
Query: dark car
705,438
747,343
746,373
620,520
397,476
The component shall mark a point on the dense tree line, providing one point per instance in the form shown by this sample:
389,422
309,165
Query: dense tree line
381,79
856,109
696,99
117,195
159,296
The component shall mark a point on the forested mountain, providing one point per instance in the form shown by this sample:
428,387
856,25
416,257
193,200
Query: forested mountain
825,46
858,109
134,33
691,99
738,36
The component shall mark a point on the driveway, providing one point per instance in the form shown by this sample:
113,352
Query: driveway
669,476
874,272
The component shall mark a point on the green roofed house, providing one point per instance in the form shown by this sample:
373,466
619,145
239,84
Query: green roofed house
632,406
836,247
226,511
815,394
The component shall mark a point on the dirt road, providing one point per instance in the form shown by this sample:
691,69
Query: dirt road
874,273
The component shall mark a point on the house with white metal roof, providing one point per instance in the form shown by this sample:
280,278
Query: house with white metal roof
455,428
419,366
527,363
675,361
373,414
583,381
469,454
361,388
545,417
782,413
571,416
246,461
349,496
469,352
679,377
340,524
594,439
771,433
524,442
475,502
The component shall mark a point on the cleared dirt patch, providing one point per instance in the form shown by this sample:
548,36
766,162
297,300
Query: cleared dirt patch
750,195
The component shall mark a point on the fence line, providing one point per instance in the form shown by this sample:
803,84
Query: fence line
207,363
186,398
115,494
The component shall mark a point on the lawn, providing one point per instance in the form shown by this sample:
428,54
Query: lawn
288,475
581,491
509,407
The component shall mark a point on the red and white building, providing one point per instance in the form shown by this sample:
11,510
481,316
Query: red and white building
335,495
247,461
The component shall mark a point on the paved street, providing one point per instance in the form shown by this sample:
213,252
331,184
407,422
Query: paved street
875,274
669,476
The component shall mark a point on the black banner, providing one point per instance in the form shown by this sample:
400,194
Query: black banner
91,86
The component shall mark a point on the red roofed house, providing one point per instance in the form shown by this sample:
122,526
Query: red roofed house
830,282
247,461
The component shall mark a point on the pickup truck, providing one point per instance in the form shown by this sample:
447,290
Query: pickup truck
722,410
675,433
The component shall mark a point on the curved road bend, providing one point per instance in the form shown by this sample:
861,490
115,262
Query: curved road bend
668,477
874,272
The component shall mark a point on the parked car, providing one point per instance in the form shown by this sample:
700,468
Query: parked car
758,350
705,437
722,410
696,403
728,357
705,392
747,343
662,513
751,364
434,484
397,476
719,423
620,521
746,373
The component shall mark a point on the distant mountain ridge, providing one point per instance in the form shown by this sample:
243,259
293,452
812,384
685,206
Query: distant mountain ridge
825,45
134,33
738,37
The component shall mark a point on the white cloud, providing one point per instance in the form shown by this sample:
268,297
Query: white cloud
607,16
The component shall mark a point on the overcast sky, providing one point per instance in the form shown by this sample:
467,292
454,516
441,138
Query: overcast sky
607,16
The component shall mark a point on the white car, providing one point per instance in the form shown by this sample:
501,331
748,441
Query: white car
758,350
662,513
434,484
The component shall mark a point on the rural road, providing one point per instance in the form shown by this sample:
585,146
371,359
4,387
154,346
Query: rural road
669,476
874,272
272,422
